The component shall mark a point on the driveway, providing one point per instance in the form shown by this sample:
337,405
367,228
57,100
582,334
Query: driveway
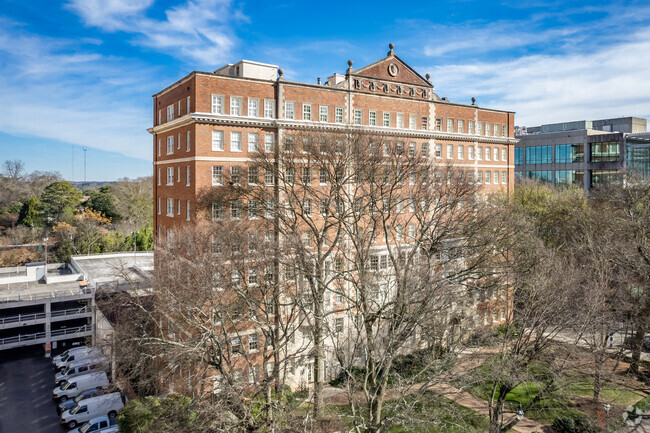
26,398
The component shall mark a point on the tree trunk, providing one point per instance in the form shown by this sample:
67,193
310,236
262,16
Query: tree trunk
318,359
637,339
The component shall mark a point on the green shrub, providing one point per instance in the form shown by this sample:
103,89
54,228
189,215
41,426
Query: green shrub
574,424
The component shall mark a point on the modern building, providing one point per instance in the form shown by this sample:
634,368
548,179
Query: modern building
209,126
585,153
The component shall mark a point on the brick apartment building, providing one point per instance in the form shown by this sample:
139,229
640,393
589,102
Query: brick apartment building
211,123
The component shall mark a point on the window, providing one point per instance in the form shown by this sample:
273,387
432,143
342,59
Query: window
496,130
306,176
290,175
159,205
159,147
323,115
253,140
399,232
425,150
217,175
178,175
338,115
412,177
487,128
252,342
235,175
470,127
217,141
487,176
187,176
217,211
269,179
438,150
235,141
450,125
399,120
187,141
170,144
519,155
386,119
504,131
504,177
479,176
252,276
487,153
538,155
159,117
339,325
479,153
306,239
461,126
187,211
479,128
217,104
269,108
178,144
187,109
424,122
358,117
450,151
605,152
564,153
235,106
306,207
504,154
412,150
268,143
495,154
170,112
235,209
253,107
323,176
289,110
439,124
461,151
470,152
235,343
372,118
413,121
412,231
170,175
253,175
306,111
253,213
170,207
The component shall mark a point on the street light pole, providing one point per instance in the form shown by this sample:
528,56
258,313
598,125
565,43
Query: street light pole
45,269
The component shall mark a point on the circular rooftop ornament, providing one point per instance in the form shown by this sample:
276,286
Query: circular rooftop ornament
280,72
393,69
350,63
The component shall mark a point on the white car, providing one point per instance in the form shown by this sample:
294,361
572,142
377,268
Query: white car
101,424
104,405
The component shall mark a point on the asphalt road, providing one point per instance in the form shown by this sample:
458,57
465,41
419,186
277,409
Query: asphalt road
26,384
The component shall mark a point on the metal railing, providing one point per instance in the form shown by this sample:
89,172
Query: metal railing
45,295
22,318
42,335
70,312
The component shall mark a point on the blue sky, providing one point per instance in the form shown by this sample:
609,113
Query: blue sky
80,73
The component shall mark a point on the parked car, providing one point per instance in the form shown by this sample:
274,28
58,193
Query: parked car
67,352
83,366
77,356
69,404
645,346
70,388
101,424
103,405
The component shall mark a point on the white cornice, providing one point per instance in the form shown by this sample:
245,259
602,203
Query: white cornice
307,125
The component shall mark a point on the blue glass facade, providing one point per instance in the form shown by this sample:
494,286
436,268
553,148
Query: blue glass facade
539,155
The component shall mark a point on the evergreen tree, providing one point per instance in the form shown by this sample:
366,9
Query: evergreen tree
30,213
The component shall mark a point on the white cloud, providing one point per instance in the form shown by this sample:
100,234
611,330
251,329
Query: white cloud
56,90
607,82
197,30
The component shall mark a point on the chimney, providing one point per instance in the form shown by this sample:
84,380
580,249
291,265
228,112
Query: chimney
318,81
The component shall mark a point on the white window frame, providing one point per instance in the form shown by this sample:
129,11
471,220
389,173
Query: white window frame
372,118
269,108
438,151
187,211
479,153
358,117
253,141
235,141
450,125
470,152
471,127
170,145
170,113
504,154
188,141
289,110
399,120
170,207
495,155
269,142
187,104
460,125
461,151
450,151
253,107
216,106
217,175
187,176
324,113
217,141
413,121
488,153
236,105
306,111
338,114
385,119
